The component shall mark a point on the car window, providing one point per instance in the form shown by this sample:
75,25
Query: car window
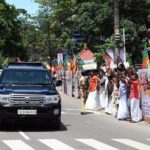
26,77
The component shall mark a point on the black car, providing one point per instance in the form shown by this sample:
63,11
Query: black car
27,91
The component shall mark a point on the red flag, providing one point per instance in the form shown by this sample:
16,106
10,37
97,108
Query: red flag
107,57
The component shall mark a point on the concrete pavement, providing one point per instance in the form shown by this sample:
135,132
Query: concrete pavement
100,112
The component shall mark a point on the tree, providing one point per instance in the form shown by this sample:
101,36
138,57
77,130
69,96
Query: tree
93,19
10,38
133,16
61,23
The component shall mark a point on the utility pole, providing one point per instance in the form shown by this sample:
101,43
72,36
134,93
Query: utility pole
124,41
116,29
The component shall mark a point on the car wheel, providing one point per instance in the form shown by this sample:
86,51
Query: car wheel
55,124
1,124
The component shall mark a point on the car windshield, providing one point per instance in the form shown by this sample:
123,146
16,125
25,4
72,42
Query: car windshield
32,77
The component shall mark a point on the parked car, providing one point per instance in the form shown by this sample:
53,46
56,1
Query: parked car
27,91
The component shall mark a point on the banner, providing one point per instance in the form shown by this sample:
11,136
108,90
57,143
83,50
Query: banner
144,79
75,84
69,82
60,58
111,54
60,66
121,54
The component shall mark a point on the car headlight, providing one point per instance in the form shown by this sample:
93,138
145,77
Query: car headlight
4,98
52,98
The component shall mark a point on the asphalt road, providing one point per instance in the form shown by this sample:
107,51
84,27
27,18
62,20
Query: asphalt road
95,130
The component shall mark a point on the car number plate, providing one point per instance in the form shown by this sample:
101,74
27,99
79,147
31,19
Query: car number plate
26,112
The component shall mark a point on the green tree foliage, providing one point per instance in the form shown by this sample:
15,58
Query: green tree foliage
133,18
94,20
61,20
10,37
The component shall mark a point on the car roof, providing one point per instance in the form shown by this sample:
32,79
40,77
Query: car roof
26,66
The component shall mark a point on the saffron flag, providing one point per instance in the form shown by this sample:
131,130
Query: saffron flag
74,65
145,64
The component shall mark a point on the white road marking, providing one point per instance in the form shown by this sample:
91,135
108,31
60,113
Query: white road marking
134,144
71,109
58,145
24,135
55,144
63,112
78,113
17,145
96,144
70,113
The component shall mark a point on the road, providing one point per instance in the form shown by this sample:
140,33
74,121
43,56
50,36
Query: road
95,130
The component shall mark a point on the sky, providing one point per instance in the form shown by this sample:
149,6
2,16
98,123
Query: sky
29,5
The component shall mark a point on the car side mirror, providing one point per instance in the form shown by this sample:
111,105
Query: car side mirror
58,83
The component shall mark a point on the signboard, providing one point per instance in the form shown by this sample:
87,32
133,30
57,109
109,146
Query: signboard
90,66
144,79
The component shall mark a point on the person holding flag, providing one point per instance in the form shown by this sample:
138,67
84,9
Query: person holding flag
136,114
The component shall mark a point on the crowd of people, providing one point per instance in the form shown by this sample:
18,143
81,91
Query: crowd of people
115,91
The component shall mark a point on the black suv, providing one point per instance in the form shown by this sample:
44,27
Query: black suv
28,92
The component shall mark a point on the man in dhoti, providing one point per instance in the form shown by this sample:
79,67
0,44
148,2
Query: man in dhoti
92,102
102,93
136,114
123,111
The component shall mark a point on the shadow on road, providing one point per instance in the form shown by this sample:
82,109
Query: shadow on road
30,127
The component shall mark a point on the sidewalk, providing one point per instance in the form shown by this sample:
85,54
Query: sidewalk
143,123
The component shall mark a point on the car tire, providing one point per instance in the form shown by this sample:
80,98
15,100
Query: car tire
55,124
1,124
